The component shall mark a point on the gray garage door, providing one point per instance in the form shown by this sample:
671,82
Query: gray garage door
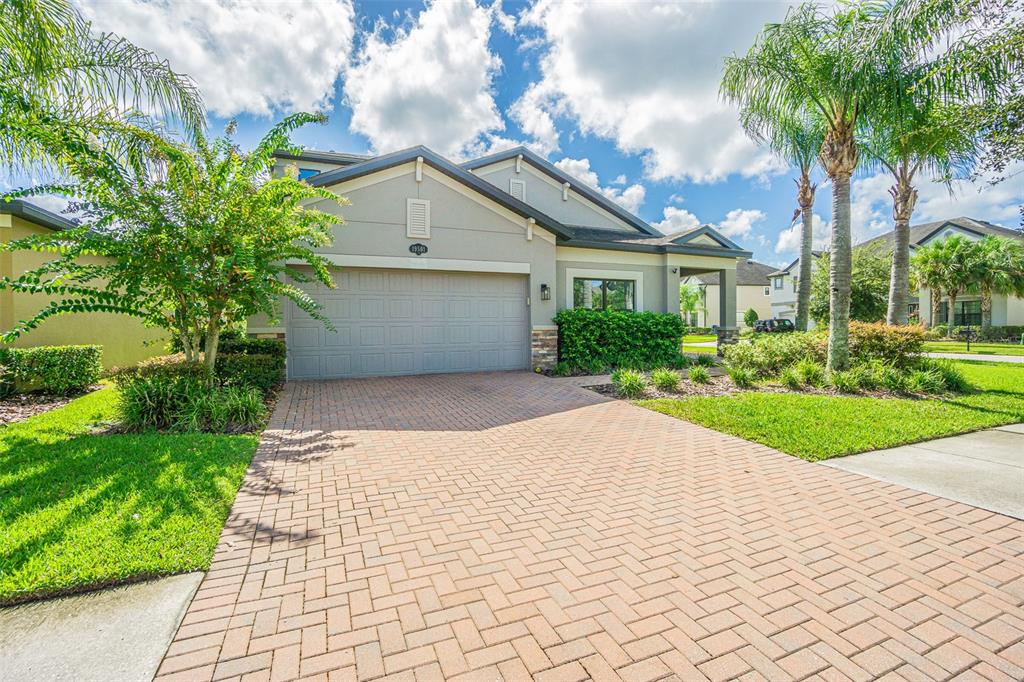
392,322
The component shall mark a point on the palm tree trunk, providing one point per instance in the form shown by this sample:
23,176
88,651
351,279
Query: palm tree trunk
936,301
839,275
904,197
951,294
986,309
805,197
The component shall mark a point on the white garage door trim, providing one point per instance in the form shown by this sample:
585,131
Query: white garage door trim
398,322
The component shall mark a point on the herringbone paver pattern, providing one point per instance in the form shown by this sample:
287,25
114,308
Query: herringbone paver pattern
509,526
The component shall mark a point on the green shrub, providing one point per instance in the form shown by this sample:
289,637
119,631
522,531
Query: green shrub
562,369
250,346
750,317
680,361
665,379
953,379
810,372
925,381
864,376
939,330
791,379
741,376
844,381
617,338
704,359
899,346
890,378
699,374
768,354
1011,333
629,383
53,369
262,372
229,408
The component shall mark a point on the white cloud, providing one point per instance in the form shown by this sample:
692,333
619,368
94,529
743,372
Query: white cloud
430,84
629,198
646,76
789,239
676,220
247,57
739,222
620,179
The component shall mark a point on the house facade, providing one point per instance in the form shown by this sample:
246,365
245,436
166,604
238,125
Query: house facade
448,267
124,339
1006,310
753,291
784,284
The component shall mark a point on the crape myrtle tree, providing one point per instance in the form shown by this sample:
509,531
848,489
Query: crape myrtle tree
193,242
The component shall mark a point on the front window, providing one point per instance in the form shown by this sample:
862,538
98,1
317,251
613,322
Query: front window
796,281
777,282
968,313
604,294
767,291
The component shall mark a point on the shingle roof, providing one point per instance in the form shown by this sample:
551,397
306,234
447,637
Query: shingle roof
678,242
749,273
919,233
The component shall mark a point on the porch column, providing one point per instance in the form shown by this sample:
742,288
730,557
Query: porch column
672,281
728,333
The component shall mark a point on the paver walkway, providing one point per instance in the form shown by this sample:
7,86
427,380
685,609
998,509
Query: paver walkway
506,526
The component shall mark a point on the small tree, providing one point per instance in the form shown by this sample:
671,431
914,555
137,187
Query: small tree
691,300
195,243
869,287
750,317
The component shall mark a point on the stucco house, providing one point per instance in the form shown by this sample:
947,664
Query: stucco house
784,284
461,267
124,339
1006,310
752,291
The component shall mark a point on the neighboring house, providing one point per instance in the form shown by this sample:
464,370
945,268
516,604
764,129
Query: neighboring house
1005,310
448,267
784,285
124,339
752,291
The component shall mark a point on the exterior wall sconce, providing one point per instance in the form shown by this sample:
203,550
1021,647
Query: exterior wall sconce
545,292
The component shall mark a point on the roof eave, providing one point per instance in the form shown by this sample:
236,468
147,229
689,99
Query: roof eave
657,248
20,208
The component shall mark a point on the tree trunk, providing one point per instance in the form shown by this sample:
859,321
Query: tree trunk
805,197
904,196
212,342
986,309
936,301
840,267
951,295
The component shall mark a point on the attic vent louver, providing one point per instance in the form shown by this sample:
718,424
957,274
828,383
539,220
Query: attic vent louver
417,217
517,188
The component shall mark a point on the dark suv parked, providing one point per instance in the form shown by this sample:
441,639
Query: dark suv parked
774,325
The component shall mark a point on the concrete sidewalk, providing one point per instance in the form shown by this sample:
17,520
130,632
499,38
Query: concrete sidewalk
120,633
984,469
977,356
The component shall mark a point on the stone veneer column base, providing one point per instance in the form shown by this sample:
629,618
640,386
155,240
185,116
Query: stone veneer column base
727,337
543,348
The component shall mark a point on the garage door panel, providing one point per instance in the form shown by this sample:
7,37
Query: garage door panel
403,322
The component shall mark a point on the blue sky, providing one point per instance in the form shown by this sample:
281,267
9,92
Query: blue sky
621,94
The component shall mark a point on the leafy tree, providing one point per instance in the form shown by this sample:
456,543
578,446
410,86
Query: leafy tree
63,88
998,269
691,300
750,317
193,245
869,286
823,64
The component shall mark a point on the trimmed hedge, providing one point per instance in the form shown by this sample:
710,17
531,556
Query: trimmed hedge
53,369
613,338
899,346
260,371
252,346
1003,334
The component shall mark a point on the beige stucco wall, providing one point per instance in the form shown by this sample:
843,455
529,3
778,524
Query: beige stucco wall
747,297
124,339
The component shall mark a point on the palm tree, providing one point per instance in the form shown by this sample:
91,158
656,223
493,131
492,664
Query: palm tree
61,86
928,271
813,61
798,142
949,266
999,270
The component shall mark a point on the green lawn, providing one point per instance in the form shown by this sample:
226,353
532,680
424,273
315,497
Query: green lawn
699,338
687,348
80,510
817,427
979,348
689,340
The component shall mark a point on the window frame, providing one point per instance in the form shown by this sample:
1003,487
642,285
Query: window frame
778,283
604,291
598,272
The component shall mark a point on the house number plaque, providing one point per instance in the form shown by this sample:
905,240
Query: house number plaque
418,249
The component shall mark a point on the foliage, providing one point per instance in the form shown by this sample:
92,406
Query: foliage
616,338
741,376
869,286
844,381
768,354
562,369
790,379
998,269
261,372
244,345
154,393
953,379
817,427
699,374
194,245
65,91
629,383
809,372
665,379
692,299
52,369
750,317
82,510
899,346
925,381
229,408
703,359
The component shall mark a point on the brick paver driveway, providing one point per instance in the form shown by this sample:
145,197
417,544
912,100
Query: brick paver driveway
508,525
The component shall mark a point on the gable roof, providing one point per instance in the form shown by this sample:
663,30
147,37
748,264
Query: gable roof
679,242
921,233
25,210
748,273
561,176
786,270
438,162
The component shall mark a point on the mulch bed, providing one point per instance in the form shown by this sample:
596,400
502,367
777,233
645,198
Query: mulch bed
21,406
723,386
